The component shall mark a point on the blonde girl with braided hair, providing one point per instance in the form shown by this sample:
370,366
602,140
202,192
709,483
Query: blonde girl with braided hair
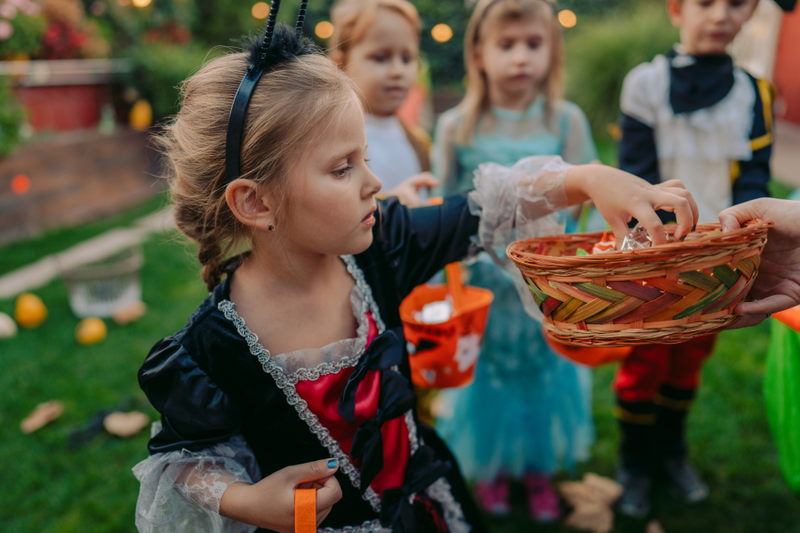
293,373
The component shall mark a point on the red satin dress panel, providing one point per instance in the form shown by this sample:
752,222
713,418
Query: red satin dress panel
322,396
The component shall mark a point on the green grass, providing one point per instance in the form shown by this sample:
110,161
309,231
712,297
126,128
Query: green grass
19,254
47,488
730,443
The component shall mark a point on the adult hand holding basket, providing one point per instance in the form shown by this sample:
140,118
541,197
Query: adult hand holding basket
664,294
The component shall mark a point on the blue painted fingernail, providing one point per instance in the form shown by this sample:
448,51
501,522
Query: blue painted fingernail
332,463
694,228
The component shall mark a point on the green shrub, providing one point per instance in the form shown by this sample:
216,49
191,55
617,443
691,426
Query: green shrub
602,51
27,36
158,70
11,117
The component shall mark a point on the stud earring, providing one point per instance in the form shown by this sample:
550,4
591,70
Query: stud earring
271,226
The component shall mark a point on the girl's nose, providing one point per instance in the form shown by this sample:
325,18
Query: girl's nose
371,184
396,67
720,11
520,54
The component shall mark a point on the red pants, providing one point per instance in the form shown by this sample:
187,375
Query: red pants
647,368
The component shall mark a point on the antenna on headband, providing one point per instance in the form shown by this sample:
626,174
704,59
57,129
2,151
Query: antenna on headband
274,48
301,18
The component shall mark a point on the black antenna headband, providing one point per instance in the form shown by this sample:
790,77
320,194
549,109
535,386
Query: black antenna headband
267,53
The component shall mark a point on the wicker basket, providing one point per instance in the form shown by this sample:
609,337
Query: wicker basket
99,289
660,295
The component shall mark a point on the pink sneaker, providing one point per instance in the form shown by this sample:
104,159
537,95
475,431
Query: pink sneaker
543,503
493,496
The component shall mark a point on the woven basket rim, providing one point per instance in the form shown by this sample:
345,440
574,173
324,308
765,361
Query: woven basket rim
517,252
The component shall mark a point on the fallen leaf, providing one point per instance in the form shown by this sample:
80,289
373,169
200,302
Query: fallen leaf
592,500
42,415
597,518
127,313
607,489
125,424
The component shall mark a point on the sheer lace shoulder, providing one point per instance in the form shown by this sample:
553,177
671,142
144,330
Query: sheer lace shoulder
517,203
180,490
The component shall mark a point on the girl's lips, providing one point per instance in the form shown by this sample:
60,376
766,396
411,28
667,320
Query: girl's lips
396,91
369,220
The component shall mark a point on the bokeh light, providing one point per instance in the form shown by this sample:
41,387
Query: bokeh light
141,3
260,10
442,33
124,2
20,184
324,29
567,18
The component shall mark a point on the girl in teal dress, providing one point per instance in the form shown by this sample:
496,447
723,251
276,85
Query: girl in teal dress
528,411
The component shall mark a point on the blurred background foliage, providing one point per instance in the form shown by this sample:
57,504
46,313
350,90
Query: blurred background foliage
166,40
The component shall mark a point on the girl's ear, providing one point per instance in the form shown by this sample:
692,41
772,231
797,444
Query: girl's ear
477,57
248,205
337,57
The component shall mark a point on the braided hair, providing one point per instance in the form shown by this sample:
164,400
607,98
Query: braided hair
293,92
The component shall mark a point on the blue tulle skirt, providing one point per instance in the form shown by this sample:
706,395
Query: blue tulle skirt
528,410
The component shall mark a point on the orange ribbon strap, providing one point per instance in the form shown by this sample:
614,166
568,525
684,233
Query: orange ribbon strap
305,511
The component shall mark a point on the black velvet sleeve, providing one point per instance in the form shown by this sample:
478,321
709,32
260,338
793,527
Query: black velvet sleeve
754,174
637,150
419,242
195,412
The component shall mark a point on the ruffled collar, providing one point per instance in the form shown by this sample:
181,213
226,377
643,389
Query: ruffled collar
697,82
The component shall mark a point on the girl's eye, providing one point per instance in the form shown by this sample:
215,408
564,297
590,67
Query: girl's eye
380,58
533,45
505,45
343,172
407,59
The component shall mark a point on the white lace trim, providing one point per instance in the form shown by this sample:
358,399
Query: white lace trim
180,490
454,517
514,203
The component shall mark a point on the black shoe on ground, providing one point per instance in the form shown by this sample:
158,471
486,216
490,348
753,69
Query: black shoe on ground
683,480
635,499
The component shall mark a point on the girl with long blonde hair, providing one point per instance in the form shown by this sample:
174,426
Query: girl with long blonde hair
513,106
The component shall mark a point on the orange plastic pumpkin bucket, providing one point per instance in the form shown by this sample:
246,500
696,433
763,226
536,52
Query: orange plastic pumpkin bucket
444,355
587,356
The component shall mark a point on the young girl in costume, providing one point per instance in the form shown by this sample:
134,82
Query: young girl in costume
293,372
528,411
376,43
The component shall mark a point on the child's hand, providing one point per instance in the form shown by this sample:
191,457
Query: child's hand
408,191
620,196
270,502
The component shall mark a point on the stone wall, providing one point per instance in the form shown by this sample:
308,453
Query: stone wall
76,177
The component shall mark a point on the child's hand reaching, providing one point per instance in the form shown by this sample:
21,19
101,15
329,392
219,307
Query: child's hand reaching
408,191
620,196
270,502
